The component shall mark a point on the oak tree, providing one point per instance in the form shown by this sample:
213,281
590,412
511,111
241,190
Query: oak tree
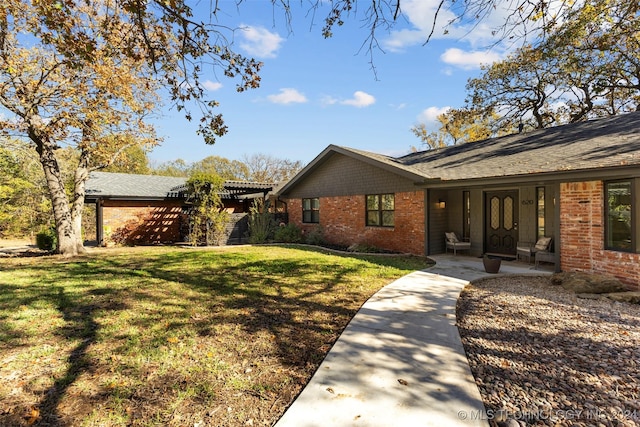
94,103
231,170
266,168
456,126
588,67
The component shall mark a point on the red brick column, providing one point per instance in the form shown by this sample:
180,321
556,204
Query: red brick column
582,235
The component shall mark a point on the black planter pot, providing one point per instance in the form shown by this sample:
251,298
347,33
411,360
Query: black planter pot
491,264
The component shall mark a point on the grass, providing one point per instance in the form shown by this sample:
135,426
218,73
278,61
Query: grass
174,336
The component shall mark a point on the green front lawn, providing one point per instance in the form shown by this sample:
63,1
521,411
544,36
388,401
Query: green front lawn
174,336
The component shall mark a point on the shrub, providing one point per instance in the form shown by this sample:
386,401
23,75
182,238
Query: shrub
46,239
208,218
364,248
316,237
289,233
261,222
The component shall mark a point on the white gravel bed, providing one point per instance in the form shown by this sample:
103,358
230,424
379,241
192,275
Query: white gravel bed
543,357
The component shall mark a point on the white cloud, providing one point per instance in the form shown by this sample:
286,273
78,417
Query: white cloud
430,115
260,42
420,15
212,86
468,60
328,100
360,99
288,95
448,71
401,39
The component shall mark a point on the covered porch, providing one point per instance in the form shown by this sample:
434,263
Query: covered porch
496,220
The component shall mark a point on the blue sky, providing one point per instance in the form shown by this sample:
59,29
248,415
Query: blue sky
315,91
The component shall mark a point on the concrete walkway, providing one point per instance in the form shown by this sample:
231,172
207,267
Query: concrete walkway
400,361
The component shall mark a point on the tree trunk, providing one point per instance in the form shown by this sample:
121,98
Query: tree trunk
79,183
69,240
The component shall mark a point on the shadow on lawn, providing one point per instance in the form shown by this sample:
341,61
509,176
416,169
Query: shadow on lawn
302,306
80,326
78,312
300,317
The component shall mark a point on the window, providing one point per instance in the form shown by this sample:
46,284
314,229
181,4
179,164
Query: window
311,210
618,216
540,211
380,210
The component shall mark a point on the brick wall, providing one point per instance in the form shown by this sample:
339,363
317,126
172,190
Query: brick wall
142,223
582,235
342,219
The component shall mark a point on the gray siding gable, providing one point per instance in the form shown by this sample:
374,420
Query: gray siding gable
379,169
341,175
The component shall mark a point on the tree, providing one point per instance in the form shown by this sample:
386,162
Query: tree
266,168
93,102
231,170
132,159
457,126
588,67
514,87
598,49
24,205
177,167
207,216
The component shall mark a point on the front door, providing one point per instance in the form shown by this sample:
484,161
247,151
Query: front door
501,226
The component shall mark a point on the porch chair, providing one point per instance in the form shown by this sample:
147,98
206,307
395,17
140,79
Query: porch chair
455,244
527,250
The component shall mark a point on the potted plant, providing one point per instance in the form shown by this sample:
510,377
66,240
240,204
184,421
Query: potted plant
491,263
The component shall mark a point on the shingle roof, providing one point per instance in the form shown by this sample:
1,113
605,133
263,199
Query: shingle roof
124,185
114,185
607,142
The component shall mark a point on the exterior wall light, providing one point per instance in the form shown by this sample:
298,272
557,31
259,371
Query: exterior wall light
442,204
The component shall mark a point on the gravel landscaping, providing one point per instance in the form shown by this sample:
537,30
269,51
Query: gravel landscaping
542,356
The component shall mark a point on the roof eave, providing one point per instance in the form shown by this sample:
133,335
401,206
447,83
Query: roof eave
605,173
94,197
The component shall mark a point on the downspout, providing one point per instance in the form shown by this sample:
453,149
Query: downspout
427,222
557,231
99,223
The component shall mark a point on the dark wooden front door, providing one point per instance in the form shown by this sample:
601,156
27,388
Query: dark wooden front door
501,222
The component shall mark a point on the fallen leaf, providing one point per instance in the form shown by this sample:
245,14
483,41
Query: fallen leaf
34,415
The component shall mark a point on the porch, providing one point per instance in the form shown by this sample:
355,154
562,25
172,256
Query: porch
471,267
496,220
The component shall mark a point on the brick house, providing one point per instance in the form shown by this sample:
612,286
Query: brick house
577,183
148,209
